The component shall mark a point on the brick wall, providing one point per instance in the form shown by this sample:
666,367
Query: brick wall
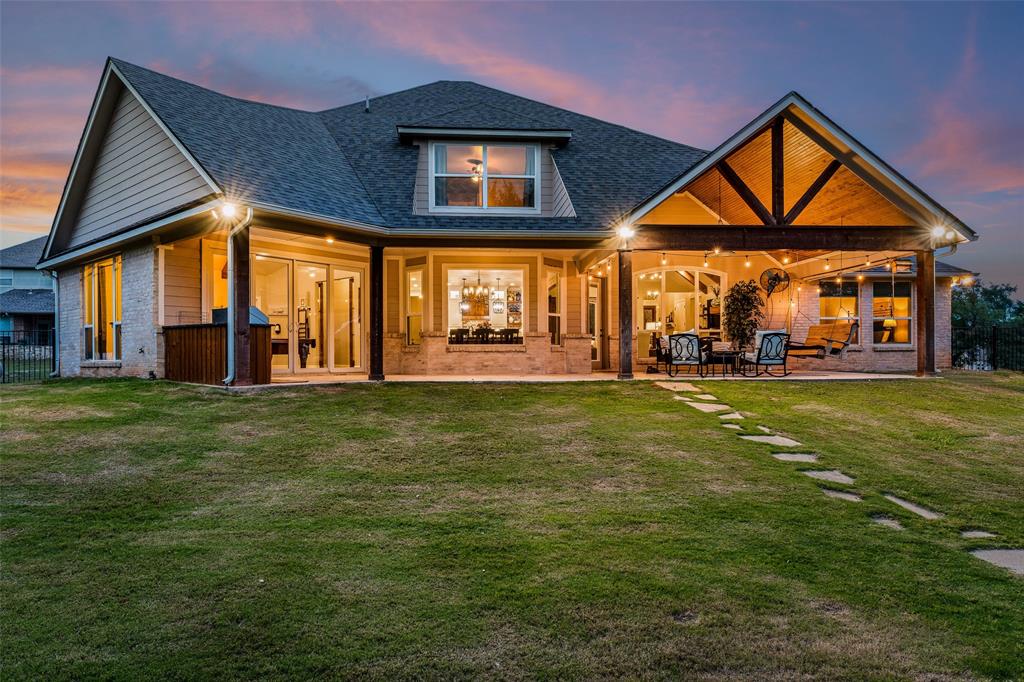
141,345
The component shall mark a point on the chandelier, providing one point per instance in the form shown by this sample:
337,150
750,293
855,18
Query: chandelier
498,304
479,291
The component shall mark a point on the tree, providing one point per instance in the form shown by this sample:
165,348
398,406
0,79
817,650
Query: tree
743,313
985,305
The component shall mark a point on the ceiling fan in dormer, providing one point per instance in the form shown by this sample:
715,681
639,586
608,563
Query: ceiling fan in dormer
476,168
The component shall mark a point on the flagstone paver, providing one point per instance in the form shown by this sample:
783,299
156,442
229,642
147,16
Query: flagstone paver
706,396
678,386
795,457
831,475
781,441
734,427
709,407
731,415
763,428
842,495
916,508
976,534
683,397
1010,559
887,521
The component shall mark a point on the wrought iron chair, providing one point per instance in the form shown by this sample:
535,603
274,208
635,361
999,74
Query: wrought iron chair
685,350
772,351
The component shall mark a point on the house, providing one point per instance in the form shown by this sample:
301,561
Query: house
457,229
26,295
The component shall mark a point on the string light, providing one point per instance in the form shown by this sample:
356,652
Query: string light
718,250
747,262
663,259
705,259
785,257
828,265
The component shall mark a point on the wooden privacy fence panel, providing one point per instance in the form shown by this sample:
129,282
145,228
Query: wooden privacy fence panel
197,353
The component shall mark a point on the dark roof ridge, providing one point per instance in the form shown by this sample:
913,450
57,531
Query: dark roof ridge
385,96
116,61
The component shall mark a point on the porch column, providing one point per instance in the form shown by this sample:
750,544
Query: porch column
240,293
925,286
376,313
625,314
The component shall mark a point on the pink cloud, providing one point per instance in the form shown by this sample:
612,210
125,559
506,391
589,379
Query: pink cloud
966,144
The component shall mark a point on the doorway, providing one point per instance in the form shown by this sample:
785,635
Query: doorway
597,314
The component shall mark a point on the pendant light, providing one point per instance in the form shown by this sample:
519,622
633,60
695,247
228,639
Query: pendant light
890,321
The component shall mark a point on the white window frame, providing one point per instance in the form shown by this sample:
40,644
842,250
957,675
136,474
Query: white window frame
117,266
560,292
855,318
484,208
911,328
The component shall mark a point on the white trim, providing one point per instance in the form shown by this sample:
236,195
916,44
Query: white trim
88,249
484,209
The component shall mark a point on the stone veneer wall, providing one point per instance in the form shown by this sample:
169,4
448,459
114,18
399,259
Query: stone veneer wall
141,344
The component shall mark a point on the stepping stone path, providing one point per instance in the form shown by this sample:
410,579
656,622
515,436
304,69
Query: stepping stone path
795,457
709,407
734,427
831,475
731,415
683,397
1010,559
678,386
841,495
781,441
763,428
976,534
887,521
916,508
706,396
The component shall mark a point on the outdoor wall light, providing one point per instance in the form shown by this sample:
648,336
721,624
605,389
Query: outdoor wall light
229,210
625,231
938,231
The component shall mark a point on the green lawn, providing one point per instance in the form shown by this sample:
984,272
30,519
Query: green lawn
552,530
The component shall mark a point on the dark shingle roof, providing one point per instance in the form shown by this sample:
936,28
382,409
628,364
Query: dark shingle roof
27,301
23,255
348,164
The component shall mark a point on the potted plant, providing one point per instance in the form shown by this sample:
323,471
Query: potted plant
743,314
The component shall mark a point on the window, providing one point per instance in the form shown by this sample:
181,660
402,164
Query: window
101,311
554,307
891,309
676,301
484,176
485,306
6,281
838,301
413,306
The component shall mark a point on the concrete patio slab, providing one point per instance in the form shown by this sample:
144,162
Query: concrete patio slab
709,407
887,521
830,475
795,457
842,495
1010,559
781,441
923,512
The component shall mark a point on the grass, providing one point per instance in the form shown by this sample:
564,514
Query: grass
543,531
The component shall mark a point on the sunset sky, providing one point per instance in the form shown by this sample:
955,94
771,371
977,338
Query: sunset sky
935,89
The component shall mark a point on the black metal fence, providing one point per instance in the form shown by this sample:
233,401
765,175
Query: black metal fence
26,356
989,348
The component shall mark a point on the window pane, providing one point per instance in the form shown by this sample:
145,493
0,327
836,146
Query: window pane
503,160
458,158
510,193
104,311
837,289
457,192
90,271
552,291
414,306
900,333
117,290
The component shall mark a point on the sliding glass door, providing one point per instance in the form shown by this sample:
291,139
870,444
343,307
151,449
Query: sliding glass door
346,312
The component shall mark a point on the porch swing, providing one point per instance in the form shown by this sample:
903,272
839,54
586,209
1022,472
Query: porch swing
827,340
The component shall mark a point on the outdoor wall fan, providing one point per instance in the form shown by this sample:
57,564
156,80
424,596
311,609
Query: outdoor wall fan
774,280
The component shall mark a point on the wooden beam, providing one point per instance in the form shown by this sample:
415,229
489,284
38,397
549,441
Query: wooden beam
761,238
812,191
778,176
240,258
749,198
376,372
925,290
625,314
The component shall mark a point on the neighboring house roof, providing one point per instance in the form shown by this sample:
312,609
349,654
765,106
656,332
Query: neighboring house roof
347,163
24,255
27,302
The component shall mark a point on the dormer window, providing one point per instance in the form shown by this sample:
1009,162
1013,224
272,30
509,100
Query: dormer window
496,178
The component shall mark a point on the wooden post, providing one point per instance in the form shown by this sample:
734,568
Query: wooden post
240,256
778,184
625,314
376,313
925,285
